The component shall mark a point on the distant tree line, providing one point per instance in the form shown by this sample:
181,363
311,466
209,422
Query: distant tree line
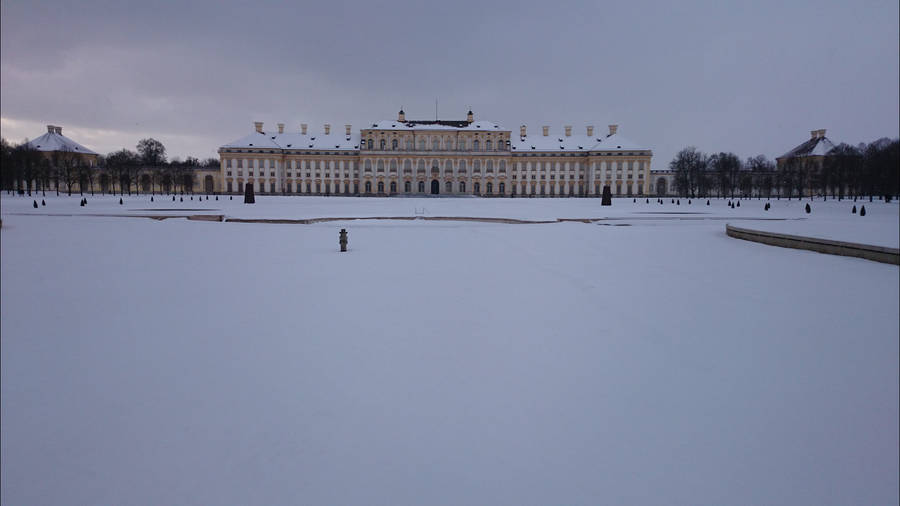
846,171
24,169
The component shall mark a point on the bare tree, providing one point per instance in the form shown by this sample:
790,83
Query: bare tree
688,166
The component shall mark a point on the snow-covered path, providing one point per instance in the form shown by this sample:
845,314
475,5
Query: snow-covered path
180,362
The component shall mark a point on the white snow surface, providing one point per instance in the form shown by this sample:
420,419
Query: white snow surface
185,362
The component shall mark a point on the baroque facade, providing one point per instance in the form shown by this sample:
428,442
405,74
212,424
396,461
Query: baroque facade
440,157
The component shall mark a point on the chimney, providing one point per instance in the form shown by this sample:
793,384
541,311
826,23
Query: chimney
59,130
613,129
303,128
258,126
590,130
401,117
822,133
546,130
813,134
327,129
51,129
470,117
522,131
568,130
348,129
281,128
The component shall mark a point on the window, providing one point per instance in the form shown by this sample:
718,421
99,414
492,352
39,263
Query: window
448,187
490,166
368,187
448,166
394,165
462,187
394,144
407,186
490,188
380,166
476,187
436,144
421,166
370,142
240,163
462,144
421,144
488,146
230,189
381,145
448,143
502,188
462,167
381,187
409,144
368,165
407,166
421,186
476,166
393,187
502,165
475,147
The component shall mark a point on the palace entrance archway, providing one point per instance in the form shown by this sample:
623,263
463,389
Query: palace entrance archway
435,187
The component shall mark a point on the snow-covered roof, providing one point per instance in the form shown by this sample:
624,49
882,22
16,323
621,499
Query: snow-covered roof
485,126
294,140
579,143
817,146
55,141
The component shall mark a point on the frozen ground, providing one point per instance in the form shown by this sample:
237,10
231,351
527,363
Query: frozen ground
182,362
829,219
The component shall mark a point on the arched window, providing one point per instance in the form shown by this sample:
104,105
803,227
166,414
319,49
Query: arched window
448,166
381,187
462,167
380,166
368,165
488,146
381,145
476,187
394,144
421,186
490,188
370,143
475,145
502,188
394,165
421,144
436,144
448,143
490,166
409,144
476,165
462,187
407,165
407,187
421,165
448,187
463,143
502,165
393,187
368,187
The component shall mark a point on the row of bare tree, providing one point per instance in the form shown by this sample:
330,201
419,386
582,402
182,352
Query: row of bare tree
24,169
846,171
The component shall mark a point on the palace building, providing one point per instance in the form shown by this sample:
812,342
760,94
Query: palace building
439,157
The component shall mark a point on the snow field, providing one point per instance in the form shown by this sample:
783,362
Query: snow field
181,362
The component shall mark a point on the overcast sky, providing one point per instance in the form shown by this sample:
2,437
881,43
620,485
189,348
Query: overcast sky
747,77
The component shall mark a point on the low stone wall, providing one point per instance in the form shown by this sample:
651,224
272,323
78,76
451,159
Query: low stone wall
849,249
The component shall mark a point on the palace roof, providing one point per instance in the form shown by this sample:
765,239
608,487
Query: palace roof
480,126
817,145
294,140
582,143
56,141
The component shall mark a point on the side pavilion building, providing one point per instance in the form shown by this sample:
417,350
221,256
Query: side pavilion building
416,157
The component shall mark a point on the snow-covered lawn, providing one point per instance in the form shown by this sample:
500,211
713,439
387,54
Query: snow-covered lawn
185,362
